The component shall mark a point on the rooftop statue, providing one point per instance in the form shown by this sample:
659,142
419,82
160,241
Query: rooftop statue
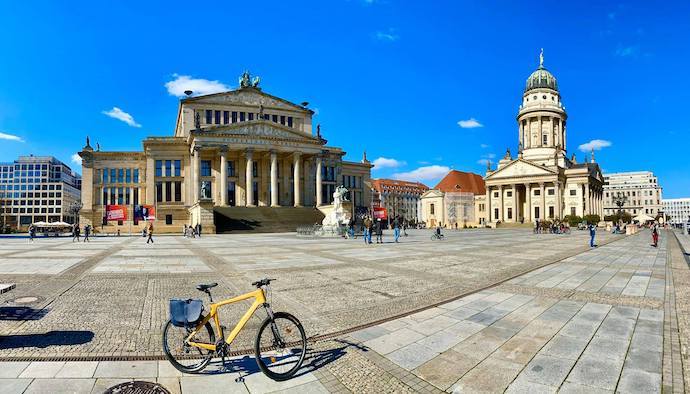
541,58
246,80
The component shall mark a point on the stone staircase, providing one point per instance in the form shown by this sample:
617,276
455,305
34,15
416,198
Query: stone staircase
264,219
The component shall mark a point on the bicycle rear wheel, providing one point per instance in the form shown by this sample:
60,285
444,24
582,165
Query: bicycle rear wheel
183,357
280,346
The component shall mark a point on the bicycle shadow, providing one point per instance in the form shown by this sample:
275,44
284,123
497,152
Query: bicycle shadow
313,360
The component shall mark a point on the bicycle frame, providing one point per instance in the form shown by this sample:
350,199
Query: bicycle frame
259,300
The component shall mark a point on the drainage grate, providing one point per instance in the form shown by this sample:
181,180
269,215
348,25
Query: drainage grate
25,300
137,387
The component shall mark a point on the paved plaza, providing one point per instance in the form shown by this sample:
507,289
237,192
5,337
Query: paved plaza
482,311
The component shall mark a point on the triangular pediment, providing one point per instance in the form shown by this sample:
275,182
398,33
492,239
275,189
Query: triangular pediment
247,96
432,193
258,129
520,168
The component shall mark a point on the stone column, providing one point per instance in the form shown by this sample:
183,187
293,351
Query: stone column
150,180
542,214
274,179
296,173
488,205
528,200
319,166
249,179
223,176
240,186
131,198
196,174
500,203
587,208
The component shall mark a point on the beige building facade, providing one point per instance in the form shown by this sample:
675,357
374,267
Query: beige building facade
541,182
242,148
638,191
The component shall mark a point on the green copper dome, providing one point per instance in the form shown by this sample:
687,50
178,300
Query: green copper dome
541,78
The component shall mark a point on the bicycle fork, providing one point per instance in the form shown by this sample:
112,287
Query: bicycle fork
277,340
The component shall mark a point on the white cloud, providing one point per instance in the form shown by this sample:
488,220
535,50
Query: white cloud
594,144
198,86
390,35
470,123
483,146
76,159
426,173
625,51
384,162
483,161
10,137
117,113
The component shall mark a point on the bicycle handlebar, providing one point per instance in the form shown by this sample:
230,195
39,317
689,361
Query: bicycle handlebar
263,282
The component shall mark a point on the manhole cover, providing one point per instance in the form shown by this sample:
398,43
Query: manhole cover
25,300
137,387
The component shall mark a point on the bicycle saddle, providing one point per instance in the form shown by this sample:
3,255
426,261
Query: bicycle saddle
205,287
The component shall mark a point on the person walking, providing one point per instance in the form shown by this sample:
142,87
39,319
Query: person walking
150,233
396,229
87,231
184,231
366,230
592,234
405,224
655,234
75,233
198,229
379,231
32,233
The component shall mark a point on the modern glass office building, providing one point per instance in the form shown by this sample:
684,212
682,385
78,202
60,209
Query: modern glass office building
37,188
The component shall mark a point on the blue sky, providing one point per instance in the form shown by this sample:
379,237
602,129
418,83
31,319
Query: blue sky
394,77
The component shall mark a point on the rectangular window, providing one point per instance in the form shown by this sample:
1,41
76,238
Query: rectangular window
136,196
159,167
545,140
234,116
551,212
431,209
127,196
496,194
573,192
168,168
168,219
255,169
209,116
250,116
510,213
242,116
105,175
159,191
255,187
168,191
231,168
105,197
509,193
551,192
289,121
573,211
226,117
231,194
274,118
136,175
282,119
205,167
120,196
128,175
113,176
178,165
537,192
178,191
217,117
536,212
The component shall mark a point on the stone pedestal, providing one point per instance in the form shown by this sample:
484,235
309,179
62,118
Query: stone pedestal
202,212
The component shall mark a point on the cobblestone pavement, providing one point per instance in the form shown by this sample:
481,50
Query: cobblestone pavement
108,298
575,326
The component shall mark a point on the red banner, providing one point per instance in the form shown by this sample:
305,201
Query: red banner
116,212
380,213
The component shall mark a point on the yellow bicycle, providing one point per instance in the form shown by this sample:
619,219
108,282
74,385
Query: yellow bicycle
189,341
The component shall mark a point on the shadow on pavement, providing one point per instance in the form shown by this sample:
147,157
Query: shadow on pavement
51,338
313,360
21,313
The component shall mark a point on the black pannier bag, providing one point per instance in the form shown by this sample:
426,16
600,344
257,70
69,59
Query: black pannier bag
185,313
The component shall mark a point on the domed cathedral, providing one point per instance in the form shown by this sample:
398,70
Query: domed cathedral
542,183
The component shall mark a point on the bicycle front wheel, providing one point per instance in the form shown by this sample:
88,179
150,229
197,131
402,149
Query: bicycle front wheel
280,346
183,357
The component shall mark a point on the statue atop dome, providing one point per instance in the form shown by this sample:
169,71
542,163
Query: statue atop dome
541,58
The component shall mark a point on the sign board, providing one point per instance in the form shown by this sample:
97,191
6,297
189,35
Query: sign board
115,212
144,212
380,213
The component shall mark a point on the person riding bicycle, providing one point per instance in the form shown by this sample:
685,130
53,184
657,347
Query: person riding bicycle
438,231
